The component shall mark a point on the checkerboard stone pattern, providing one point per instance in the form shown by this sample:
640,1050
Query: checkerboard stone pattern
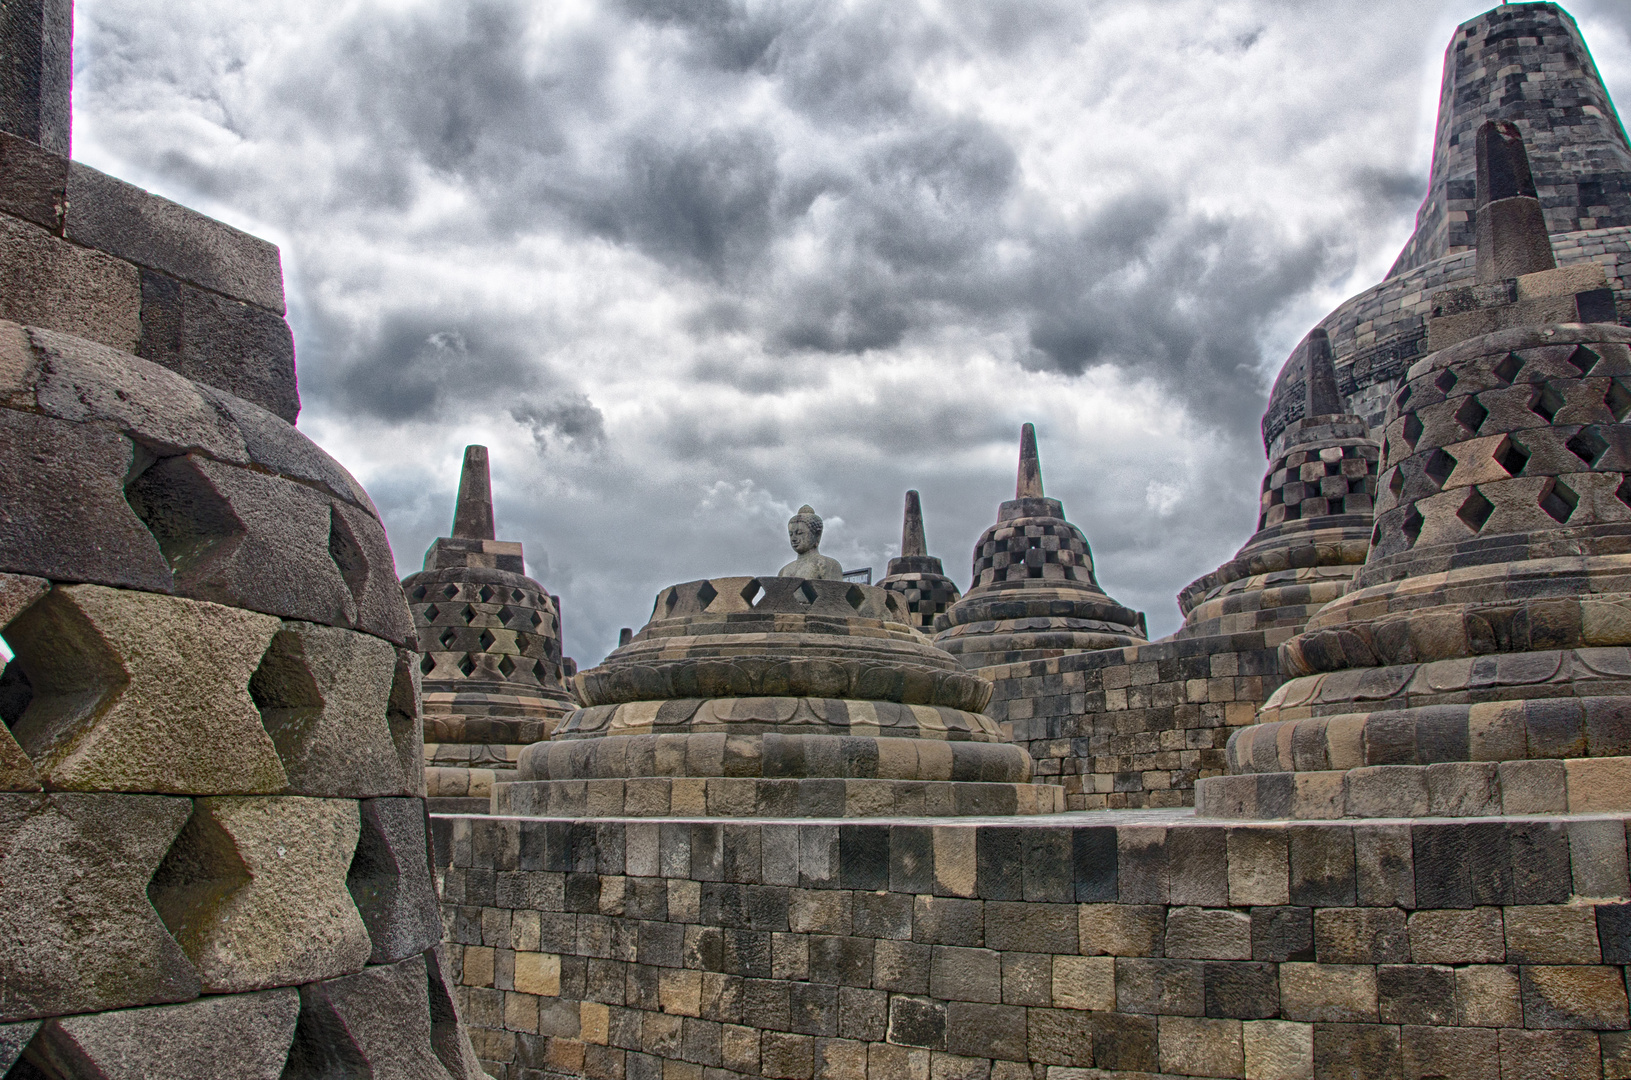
491,651
916,575
1033,594
1528,64
1114,945
777,696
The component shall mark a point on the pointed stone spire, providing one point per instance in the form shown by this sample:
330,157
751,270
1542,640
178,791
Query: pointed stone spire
1511,227
1029,485
1320,378
911,529
473,516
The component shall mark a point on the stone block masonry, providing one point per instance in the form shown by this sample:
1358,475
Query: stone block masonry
1067,948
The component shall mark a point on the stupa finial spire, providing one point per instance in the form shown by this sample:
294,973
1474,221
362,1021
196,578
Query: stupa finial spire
911,529
1320,377
1029,485
473,515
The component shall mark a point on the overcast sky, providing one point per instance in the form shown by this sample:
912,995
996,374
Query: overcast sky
684,266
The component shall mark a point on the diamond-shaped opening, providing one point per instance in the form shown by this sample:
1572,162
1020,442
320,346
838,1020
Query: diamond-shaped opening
1412,429
892,604
418,592
753,592
1475,510
1511,456
1623,492
286,694
1402,397
670,601
855,597
431,611
1384,449
181,508
1546,402
505,614
200,871
486,593
1376,536
487,640
467,614
806,592
539,671
517,595
1471,415
450,590
1395,483
447,638
1439,466
1618,399
1583,359
426,662
1588,445
706,594
1508,368
506,666
466,664
1558,500
537,620
347,553
1411,526
1446,380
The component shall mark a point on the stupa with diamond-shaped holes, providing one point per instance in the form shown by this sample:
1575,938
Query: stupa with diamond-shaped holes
490,641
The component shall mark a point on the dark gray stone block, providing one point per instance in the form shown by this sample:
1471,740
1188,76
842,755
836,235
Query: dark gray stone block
33,182
123,220
242,349
36,71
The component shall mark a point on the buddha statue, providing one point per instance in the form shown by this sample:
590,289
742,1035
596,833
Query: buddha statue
804,533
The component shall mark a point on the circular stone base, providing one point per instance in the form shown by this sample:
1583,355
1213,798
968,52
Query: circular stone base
1448,789
728,797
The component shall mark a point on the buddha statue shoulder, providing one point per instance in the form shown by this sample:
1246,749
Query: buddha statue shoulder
804,533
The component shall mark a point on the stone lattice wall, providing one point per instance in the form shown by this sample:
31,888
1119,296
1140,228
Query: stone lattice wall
1135,727
637,950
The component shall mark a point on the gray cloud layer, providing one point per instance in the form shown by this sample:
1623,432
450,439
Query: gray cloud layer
687,265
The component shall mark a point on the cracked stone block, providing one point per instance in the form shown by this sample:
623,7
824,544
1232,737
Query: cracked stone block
79,933
448,1037
376,1023
135,691
324,695
254,889
242,1036
63,513
390,880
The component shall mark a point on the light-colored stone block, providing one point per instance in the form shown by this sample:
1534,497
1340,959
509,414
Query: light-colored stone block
1278,1050
1084,982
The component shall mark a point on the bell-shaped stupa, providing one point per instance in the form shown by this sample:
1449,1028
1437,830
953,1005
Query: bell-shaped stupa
916,575
1033,594
1482,663
1313,524
490,639
778,696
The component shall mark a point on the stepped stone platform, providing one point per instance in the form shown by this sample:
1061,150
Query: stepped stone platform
1033,594
490,641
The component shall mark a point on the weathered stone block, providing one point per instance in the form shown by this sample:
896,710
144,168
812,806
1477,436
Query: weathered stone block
1573,996
236,1035
1551,934
1209,934
135,691
80,934
1278,1050
375,1023
389,880
1199,1047
1361,936
324,695
1450,1052
254,889
1328,992
1084,982
1121,929
48,282
1472,936
123,220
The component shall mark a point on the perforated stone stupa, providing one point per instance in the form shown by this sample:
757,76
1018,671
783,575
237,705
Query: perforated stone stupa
491,643
214,858
1033,594
1482,664
918,576
777,696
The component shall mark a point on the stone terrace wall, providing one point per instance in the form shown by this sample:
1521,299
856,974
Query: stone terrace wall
629,950
1135,727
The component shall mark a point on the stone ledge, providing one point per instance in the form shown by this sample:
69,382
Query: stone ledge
730,797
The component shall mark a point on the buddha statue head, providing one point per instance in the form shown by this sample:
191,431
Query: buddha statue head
804,533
